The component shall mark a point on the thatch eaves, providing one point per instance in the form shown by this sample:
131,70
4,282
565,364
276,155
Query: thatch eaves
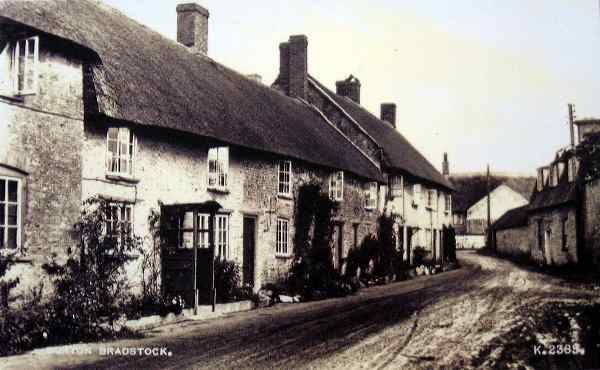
146,79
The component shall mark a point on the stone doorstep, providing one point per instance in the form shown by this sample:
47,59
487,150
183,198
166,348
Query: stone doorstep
204,313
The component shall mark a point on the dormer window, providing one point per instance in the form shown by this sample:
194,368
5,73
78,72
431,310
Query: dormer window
21,73
218,168
336,186
573,168
120,151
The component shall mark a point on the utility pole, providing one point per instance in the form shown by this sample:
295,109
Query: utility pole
572,124
489,213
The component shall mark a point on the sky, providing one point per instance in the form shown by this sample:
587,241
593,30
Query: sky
487,81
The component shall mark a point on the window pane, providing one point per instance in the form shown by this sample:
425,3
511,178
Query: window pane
12,215
188,240
11,240
2,213
12,191
188,220
2,190
2,230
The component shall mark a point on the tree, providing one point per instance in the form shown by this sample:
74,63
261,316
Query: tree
588,153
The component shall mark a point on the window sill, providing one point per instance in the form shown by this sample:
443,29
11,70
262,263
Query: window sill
123,178
218,190
283,256
370,209
285,196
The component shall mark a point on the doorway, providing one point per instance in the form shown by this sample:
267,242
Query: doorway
249,243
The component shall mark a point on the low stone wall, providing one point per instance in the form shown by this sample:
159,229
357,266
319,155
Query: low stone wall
513,242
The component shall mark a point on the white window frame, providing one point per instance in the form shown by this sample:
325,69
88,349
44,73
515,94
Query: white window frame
15,50
371,195
6,204
218,168
282,241
431,198
284,178
416,195
126,138
447,203
222,232
336,186
117,225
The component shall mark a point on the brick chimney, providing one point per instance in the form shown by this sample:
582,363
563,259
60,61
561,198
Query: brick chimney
192,27
293,67
388,113
446,166
350,88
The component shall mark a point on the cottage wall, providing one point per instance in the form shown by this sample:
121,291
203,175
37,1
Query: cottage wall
426,223
41,137
173,169
591,219
551,251
513,242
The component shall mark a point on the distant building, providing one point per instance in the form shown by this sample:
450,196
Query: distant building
470,203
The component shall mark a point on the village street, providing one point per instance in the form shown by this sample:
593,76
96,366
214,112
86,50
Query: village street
480,316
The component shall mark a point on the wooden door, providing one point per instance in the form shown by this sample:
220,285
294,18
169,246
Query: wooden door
249,250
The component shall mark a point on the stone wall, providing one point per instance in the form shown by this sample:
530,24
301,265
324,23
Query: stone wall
552,250
172,169
513,242
41,138
591,220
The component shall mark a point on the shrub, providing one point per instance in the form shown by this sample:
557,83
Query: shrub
6,285
312,274
227,280
90,288
150,266
420,256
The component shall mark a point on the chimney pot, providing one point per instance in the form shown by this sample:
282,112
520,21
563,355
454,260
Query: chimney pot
388,113
192,27
349,88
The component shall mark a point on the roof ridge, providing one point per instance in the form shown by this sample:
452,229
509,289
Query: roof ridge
348,115
341,133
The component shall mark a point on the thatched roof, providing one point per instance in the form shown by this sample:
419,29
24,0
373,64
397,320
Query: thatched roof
513,218
471,188
147,79
399,153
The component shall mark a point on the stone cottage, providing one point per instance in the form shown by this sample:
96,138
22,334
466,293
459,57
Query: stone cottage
94,104
415,193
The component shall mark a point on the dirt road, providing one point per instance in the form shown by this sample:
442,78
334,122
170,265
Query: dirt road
488,314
